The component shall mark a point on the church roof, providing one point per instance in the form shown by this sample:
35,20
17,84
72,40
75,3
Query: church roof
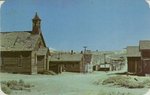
18,41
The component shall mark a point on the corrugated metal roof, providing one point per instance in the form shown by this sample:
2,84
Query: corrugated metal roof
133,51
144,44
65,57
18,41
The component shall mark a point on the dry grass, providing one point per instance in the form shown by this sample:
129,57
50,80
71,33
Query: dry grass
113,93
124,81
7,86
5,89
49,72
147,83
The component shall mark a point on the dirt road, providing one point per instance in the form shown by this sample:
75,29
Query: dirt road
68,84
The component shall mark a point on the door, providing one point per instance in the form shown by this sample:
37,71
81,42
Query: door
40,64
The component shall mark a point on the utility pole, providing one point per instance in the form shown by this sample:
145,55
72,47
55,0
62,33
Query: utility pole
105,60
83,65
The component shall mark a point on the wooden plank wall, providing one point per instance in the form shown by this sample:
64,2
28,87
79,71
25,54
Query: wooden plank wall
72,66
65,66
16,62
146,61
40,64
133,64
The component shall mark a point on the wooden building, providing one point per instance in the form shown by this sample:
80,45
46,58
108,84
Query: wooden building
69,62
108,60
95,61
87,66
24,51
144,47
117,63
134,60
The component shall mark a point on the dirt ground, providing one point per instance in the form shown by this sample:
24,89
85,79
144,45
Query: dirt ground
69,84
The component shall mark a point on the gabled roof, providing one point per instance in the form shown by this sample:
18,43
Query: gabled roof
144,44
133,51
65,57
18,41
42,51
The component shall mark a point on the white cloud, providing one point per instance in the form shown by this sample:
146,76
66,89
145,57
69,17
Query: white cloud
148,2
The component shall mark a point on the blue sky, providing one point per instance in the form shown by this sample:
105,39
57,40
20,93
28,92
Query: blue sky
72,24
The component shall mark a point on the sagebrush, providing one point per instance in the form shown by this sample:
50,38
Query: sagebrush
124,81
7,86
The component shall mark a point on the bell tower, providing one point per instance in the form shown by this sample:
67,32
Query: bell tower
36,24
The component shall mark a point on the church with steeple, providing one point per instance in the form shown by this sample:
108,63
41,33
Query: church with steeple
24,51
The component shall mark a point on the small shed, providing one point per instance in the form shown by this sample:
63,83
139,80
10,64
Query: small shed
68,62
134,60
144,47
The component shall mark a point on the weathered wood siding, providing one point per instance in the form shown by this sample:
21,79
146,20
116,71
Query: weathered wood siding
134,65
16,62
42,60
146,61
39,44
58,67
55,67
72,66
40,64
146,66
145,54
33,63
